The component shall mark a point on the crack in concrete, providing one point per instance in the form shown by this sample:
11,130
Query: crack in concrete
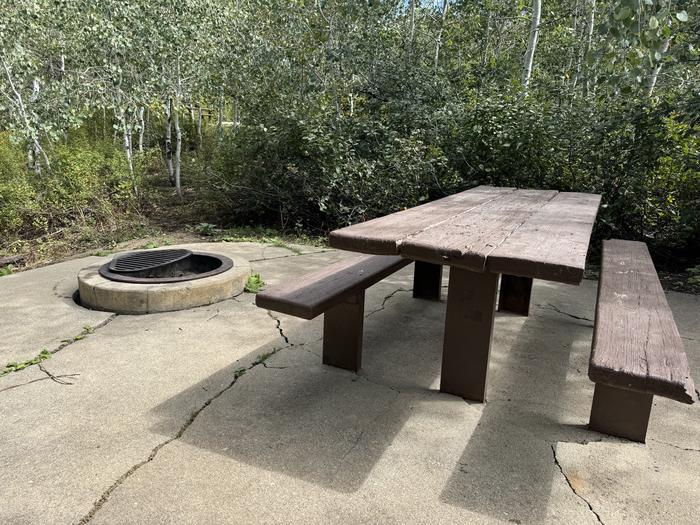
386,298
279,328
191,419
287,256
58,379
361,434
66,342
568,482
688,449
550,306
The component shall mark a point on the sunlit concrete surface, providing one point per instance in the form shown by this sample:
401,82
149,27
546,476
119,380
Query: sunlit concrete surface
225,414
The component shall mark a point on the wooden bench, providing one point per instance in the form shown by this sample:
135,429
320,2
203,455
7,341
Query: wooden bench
637,352
338,292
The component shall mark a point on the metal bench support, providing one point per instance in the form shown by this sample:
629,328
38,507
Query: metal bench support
514,296
342,333
471,308
427,281
621,413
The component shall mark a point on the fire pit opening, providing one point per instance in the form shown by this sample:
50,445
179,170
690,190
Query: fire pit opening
164,266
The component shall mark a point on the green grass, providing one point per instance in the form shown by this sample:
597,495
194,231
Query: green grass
254,283
6,270
269,236
16,367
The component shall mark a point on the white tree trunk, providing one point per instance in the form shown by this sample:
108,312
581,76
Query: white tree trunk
142,128
657,69
169,139
438,40
199,125
178,151
411,30
532,42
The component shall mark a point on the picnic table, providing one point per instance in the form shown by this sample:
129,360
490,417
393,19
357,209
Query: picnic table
481,234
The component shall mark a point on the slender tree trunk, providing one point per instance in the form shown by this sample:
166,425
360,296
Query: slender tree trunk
532,43
199,126
142,128
411,31
178,132
485,42
126,132
31,132
169,139
220,113
657,69
438,40
590,24
178,150
236,111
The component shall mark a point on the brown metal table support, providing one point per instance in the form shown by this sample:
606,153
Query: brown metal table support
514,295
621,413
471,308
427,280
342,333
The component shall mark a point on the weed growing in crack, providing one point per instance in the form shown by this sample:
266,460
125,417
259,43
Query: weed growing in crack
260,360
16,367
254,283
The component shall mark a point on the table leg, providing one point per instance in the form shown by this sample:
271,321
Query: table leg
471,308
514,295
342,333
427,280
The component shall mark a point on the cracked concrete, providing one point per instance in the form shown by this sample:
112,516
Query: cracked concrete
225,414
571,485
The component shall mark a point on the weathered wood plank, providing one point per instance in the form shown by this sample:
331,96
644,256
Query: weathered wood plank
636,345
383,235
551,244
467,239
314,293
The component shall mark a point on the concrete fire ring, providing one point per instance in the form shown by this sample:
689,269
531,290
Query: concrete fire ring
98,293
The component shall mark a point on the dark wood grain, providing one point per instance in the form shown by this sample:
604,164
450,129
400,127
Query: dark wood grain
384,235
316,292
636,345
467,239
552,243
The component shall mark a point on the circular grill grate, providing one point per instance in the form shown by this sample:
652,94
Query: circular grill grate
140,261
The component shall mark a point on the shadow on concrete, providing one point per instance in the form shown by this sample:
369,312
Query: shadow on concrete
330,427
312,422
508,467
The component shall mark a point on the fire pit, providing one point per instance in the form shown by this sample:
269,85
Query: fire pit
149,281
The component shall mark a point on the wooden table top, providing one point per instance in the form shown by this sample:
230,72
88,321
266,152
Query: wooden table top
531,233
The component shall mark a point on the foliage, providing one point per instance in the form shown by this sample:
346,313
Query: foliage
254,283
16,367
306,116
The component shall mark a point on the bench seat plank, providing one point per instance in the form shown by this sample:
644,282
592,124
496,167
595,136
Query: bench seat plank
552,244
384,235
636,344
316,292
467,239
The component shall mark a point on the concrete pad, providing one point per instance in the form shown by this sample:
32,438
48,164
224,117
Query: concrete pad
162,426
38,311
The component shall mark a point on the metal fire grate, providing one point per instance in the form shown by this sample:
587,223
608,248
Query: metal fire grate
142,261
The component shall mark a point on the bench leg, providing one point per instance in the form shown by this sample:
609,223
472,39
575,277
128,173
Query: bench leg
621,413
342,333
427,280
471,306
515,294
